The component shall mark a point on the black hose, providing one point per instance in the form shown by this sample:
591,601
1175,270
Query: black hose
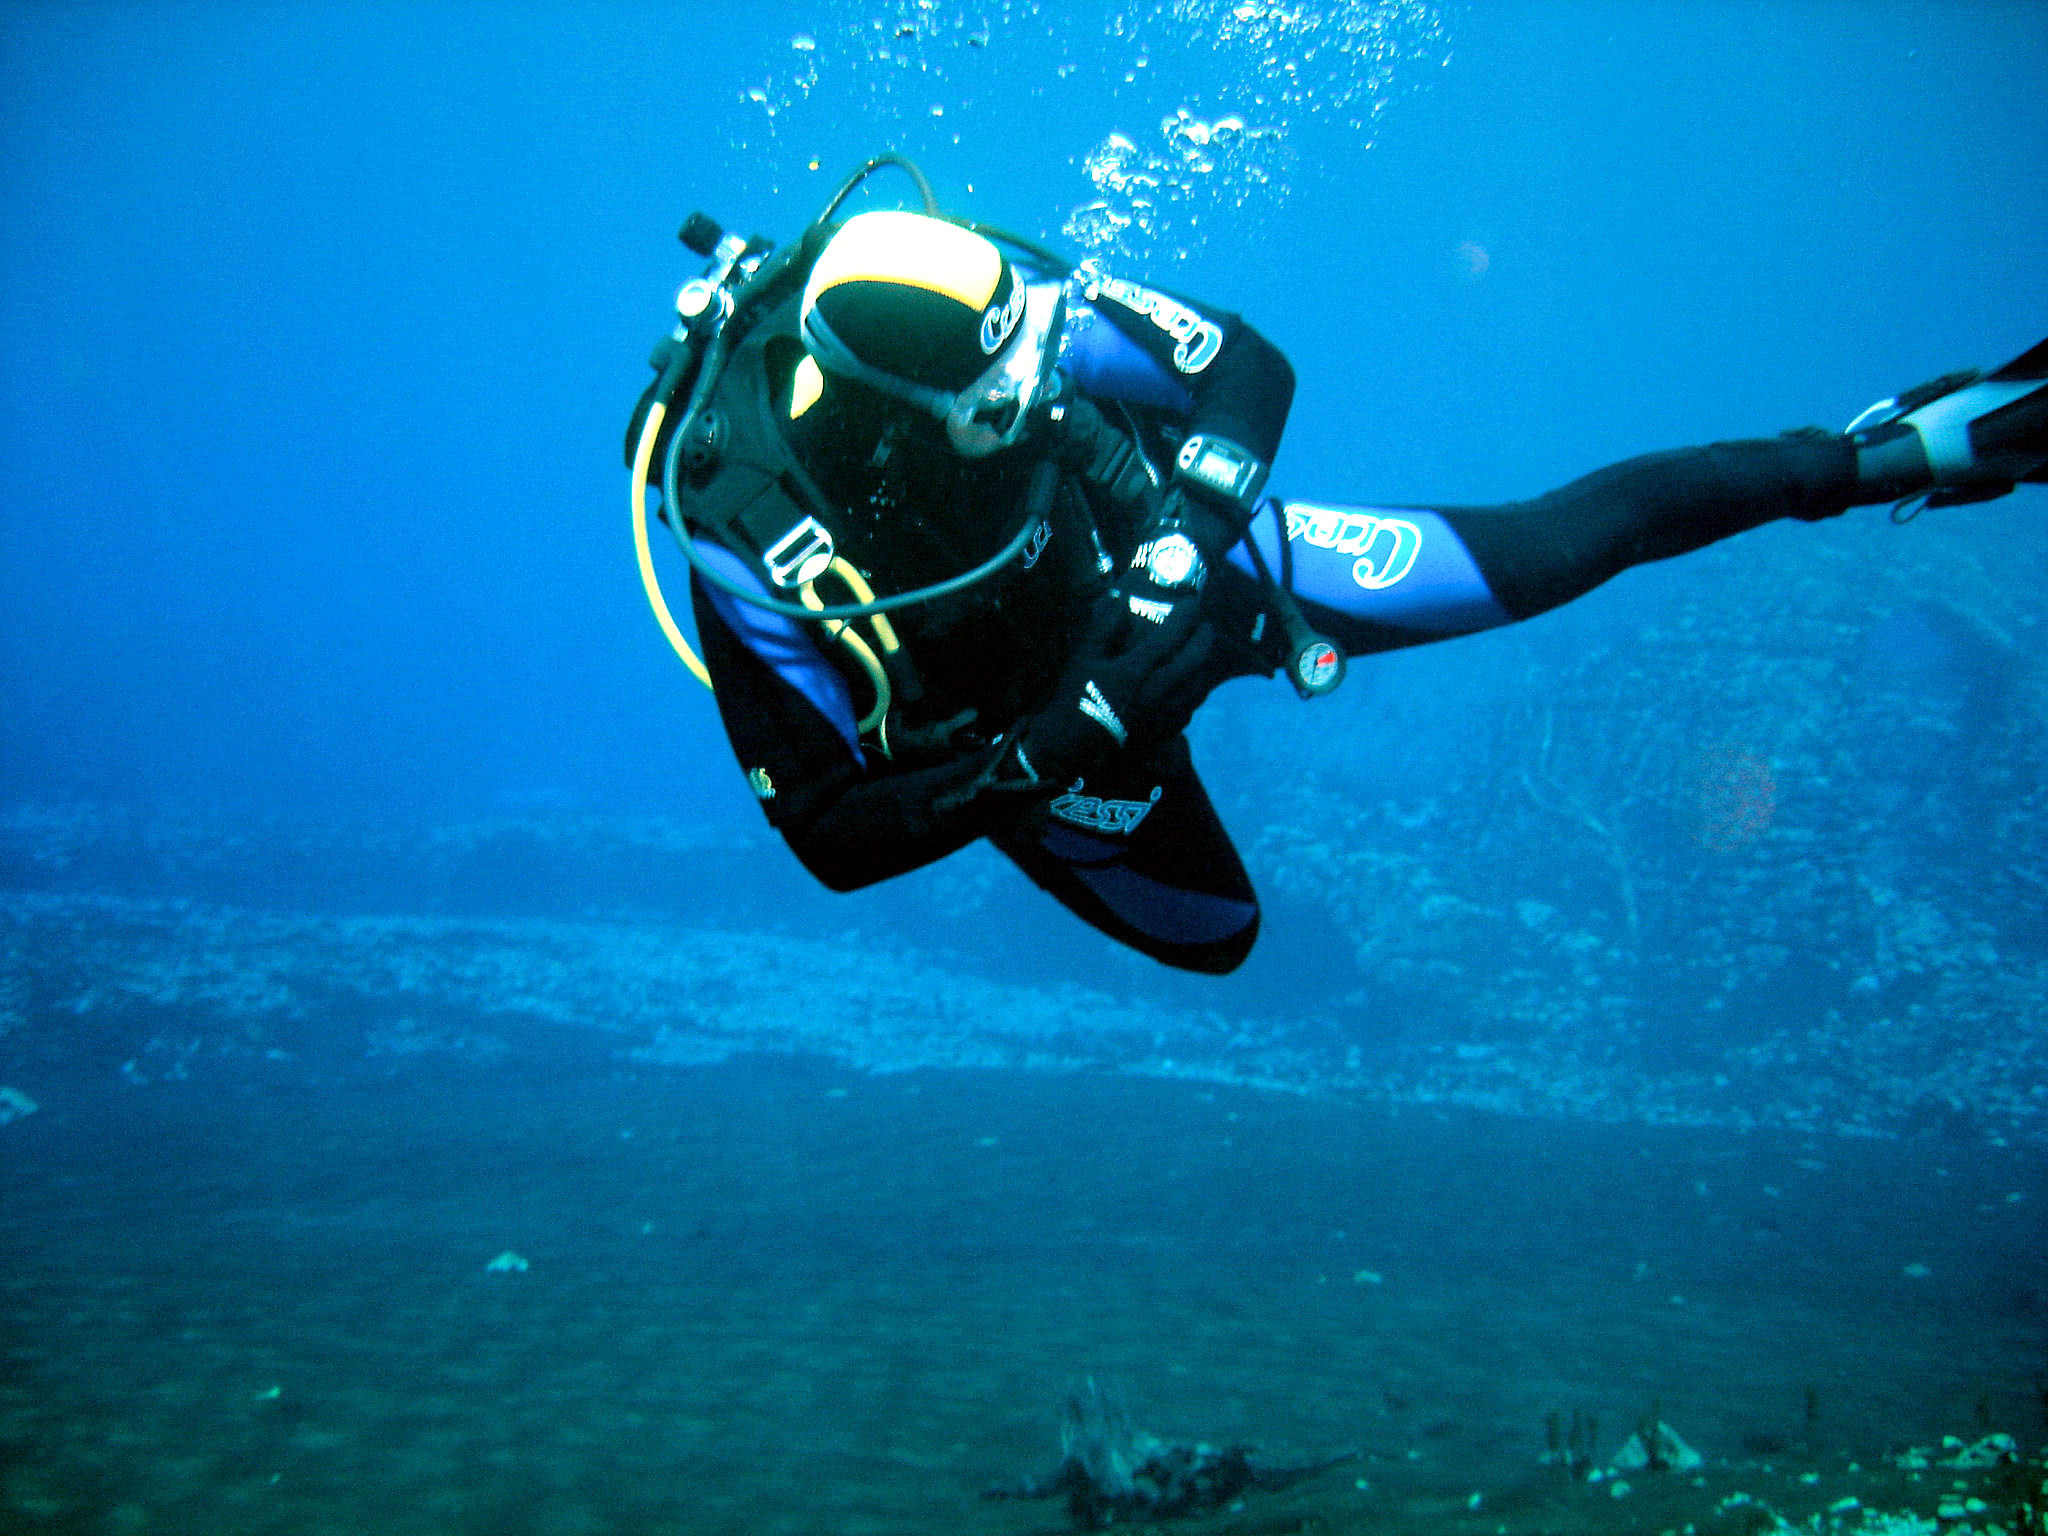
902,163
1044,481
1049,259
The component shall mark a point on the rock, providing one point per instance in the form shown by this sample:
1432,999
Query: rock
1991,1451
14,1104
1663,1452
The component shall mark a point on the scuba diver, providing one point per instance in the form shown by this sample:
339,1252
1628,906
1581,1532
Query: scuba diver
972,532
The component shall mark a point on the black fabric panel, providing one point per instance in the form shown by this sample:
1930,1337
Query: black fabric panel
1181,847
1249,392
848,827
1538,554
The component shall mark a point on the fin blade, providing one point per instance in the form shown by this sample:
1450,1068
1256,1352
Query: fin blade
2030,364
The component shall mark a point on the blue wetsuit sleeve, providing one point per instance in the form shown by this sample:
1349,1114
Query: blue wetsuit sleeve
1373,578
1208,366
1109,365
781,644
1358,569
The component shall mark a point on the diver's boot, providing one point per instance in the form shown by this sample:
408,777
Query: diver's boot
1962,437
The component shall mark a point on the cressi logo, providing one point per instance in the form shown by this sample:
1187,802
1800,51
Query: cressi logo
1384,548
999,320
1119,818
1036,547
1196,341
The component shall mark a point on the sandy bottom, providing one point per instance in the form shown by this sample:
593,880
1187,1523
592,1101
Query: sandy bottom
768,1297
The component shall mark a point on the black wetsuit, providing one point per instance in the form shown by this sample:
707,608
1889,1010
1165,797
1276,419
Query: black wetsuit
1135,847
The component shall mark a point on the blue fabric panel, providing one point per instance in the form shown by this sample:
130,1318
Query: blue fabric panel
1077,848
1108,365
784,643
1399,566
1167,912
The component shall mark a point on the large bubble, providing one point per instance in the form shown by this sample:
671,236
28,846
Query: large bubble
1247,79
1349,58
1151,202
1199,132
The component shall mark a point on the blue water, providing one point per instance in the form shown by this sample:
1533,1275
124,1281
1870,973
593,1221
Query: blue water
317,331
370,868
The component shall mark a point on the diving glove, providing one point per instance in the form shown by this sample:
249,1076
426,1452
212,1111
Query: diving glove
1962,437
1131,674
1086,443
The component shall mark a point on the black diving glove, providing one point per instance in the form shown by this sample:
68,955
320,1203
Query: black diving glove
1084,442
1135,673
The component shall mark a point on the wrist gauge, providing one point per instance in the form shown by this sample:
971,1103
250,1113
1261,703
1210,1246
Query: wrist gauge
1222,467
1171,562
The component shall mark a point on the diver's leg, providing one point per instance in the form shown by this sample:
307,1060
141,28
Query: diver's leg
1378,578
1375,578
1137,850
1538,554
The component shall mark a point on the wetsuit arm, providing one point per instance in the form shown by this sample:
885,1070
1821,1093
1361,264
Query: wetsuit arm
792,727
1246,393
1207,366
1190,370
1137,851
1245,402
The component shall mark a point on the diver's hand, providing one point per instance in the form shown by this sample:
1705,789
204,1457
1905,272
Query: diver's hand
1135,673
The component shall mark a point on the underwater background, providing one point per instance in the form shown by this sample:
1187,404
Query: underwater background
432,1101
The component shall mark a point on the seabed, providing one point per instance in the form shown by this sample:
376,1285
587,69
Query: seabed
773,1295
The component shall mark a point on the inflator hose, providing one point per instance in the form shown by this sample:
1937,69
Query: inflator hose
649,582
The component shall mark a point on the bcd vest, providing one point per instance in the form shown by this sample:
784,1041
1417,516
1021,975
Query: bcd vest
856,476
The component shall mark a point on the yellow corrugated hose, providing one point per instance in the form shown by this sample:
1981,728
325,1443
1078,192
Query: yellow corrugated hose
643,457
862,652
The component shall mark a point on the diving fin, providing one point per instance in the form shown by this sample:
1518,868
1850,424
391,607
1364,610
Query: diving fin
1960,438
